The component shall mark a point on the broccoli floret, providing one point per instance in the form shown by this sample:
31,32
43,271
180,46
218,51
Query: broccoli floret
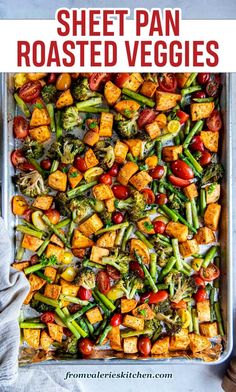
62,204
32,149
71,118
54,151
81,90
134,205
126,129
154,326
130,284
105,154
32,184
152,77
40,306
86,278
119,260
66,149
81,208
213,173
49,93
71,345
169,317
182,286
106,217
176,203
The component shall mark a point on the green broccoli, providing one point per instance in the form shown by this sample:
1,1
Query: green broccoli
105,154
126,129
135,206
182,286
40,306
86,278
212,173
49,93
71,118
32,149
62,204
106,217
168,317
31,184
81,208
119,260
129,284
66,149
81,90
155,328
176,203
71,345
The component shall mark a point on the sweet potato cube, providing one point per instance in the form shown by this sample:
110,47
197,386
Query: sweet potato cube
106,124
111,92
166,101
191,191
65,99
45,341
212,216
144,312
55,332
98,253
135,146
115,338
130,345
32,337
52,291
91,138
180,341
51,273
79,240
210,330
203,311
56,240
68,288
177,230
53,250
127,305
90,158
201,110
212,193
161,346
148,88
145,226
210,140
198,343
20,266
140,180
138,246
19,205
126,172
31,243
39,117
127,107
43,202
107,240
182,78
41,134
29,297
74,177
102,192
153,129
110,204
133,322
58,181
36,282
120,151
133,82
189,248
94,315
171,153
204,236
91,225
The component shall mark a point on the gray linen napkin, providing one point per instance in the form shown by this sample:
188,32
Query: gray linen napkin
13,290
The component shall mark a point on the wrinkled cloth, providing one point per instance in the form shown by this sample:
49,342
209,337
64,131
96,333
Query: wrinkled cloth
13,290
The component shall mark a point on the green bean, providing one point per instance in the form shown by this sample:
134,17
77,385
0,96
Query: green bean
59,130
44,245
186,160
84,326
90,326
110,306
63,223
177,140
112,228
128,333
171,188
209,256
197,126
181,136
189,213
187,126
104,334
168,267
94,109
138,97
216,282
202,201
154,187
153,265
170,213
37,166
202,100
79,190
190,79
163,238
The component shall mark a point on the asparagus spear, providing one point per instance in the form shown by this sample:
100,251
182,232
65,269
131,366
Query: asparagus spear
143,239
112,228
138,97
26,230
30,325
197,126
146,273
79,190
22,105
105,300
175,246
153,266
58,125
209,256
46,300
56,231
126,237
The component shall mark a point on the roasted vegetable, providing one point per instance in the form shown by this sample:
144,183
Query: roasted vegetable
105,154
182,286
86,278
126,129
134,205
49,93
32,149
66,149
81,90
71,118
31,184
119,260
213,173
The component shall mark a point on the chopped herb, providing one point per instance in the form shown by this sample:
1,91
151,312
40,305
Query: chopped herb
93,125
143,167
148,225
73,174
38,105
211,188
143,312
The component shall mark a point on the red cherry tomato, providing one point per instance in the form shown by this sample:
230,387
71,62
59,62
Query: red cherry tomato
199,281
148,196
199,94
144,298
120,192
80,164
197,144
136,268
213,88
161,199
112,272
26,167
52,78
201,295
214,122
160,296
117,217
203,77
47,317
103,282
20,127
34,259
180,182
84,294
105,178
167,82
211,272
157,172
46,164
86,346
114,170
116,320
183,117
17,158
182,170
27,215
146,117
179,305
205,158
53,215
30,91
159,227
144,346
96,80
121,78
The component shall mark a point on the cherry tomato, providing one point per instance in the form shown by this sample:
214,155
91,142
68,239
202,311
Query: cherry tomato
105,179
121,78
103,282
34,259
180,182
179,305
203,77
201,295
80,164
199,94
112,272
120,192
74,308
96,79
210,273
144,346
27,215
52,78
47,317
114,170
197,144
183,117
84,294
26,167
167,82
160,296
17,158
182,170
20,127
146,117
30,91
144,298
157,172
214,122
159,227
46,164
136,268
199,281
161,199
53,215
213,88
117,217
148,196
86,346
205,158
116,320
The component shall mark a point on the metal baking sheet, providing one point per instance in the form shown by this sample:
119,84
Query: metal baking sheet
8,110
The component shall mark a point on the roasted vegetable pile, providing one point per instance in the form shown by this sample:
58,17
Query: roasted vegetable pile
118,202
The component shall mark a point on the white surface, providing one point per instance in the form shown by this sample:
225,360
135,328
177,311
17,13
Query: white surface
185,378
